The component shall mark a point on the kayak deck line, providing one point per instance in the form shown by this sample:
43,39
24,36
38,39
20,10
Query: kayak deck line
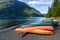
40,28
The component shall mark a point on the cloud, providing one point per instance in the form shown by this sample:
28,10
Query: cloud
44,12
33,2
39,2
19,0
43,9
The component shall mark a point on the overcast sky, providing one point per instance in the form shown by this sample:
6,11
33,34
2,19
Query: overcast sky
40,5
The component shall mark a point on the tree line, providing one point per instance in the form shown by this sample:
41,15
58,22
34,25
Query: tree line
54,10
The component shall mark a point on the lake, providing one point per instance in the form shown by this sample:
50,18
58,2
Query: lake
5,23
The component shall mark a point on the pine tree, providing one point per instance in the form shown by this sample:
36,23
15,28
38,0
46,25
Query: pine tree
54,10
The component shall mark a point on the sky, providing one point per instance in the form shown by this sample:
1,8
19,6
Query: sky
40,5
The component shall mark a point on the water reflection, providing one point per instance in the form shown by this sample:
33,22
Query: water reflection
5,23
36,19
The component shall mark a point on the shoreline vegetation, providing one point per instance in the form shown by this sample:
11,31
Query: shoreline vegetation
54,10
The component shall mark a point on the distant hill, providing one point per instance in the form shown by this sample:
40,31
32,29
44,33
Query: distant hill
17,9
43,15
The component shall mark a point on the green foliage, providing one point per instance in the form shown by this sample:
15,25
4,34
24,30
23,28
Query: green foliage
2,6
49,13
32,12
17,10
54,11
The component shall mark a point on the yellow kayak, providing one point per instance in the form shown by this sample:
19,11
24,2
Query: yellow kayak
43,32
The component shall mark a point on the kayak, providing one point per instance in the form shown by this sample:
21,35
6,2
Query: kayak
36,24
45,32
40,28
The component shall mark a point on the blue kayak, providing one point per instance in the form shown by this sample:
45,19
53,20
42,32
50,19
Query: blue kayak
36,24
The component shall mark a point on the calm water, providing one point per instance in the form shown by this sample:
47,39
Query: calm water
36,19
4,22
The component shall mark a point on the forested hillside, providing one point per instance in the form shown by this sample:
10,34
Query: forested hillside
17,9
54,11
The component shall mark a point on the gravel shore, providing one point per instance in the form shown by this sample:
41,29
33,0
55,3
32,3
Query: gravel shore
12,35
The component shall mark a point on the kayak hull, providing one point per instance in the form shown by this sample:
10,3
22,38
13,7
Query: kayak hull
41,24
36,31
40,28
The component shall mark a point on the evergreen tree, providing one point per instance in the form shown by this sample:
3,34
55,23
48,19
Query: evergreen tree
55,9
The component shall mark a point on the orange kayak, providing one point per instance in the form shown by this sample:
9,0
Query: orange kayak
34,31
41,28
